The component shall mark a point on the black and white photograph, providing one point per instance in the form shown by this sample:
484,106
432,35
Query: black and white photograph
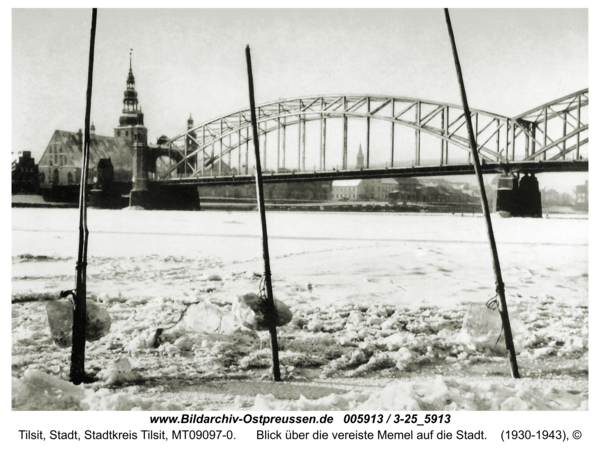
251,210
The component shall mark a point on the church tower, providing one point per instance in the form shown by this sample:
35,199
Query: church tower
131,124
191,144
360,158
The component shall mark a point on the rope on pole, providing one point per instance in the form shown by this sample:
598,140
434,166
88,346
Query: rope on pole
77,372
490,231
261,208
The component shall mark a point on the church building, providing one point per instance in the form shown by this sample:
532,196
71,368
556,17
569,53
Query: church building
60,165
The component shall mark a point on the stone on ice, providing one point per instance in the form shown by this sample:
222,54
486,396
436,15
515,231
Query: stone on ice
208,317
60,319
247,310
98,321
482,326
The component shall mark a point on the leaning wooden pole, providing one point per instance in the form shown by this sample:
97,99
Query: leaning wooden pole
77,374
263,221
496,262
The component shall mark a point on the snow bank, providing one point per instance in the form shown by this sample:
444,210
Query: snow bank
40,391
439,394
444,393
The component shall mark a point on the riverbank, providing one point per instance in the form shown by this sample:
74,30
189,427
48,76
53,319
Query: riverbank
228,204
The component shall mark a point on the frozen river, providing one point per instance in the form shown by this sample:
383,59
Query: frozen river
344,256
379,299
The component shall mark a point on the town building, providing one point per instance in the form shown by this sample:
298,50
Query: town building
348,190
60,165
364,189
581,196
25,175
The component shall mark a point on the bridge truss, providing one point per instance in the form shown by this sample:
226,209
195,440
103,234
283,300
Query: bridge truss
555,131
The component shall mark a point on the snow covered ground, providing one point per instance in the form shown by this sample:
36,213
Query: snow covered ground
389,311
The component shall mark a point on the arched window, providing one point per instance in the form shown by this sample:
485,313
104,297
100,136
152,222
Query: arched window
70,178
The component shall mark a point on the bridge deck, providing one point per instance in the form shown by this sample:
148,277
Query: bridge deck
417,171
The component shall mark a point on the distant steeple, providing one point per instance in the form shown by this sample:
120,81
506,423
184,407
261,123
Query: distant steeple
191,136
360,158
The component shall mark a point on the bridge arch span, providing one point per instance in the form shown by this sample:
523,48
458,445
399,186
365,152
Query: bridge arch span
549,132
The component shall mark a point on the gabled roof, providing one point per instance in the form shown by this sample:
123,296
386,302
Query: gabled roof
116,149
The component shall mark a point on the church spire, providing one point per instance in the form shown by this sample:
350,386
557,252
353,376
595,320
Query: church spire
131,115
130,77
360,158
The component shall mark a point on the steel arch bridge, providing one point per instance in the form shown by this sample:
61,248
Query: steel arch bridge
551,137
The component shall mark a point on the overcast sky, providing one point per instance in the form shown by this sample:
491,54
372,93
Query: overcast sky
192,61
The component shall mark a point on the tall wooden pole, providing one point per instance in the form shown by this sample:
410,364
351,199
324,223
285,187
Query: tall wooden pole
496,262
77,373
263,221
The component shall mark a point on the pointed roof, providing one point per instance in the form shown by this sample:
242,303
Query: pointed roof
360,154
130,77
119,152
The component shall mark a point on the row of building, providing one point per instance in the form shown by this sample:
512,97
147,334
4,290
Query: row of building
378,190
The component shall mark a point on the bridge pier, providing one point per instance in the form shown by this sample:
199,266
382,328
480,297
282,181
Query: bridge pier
167,197
106,194
518,198
152,195
139,196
